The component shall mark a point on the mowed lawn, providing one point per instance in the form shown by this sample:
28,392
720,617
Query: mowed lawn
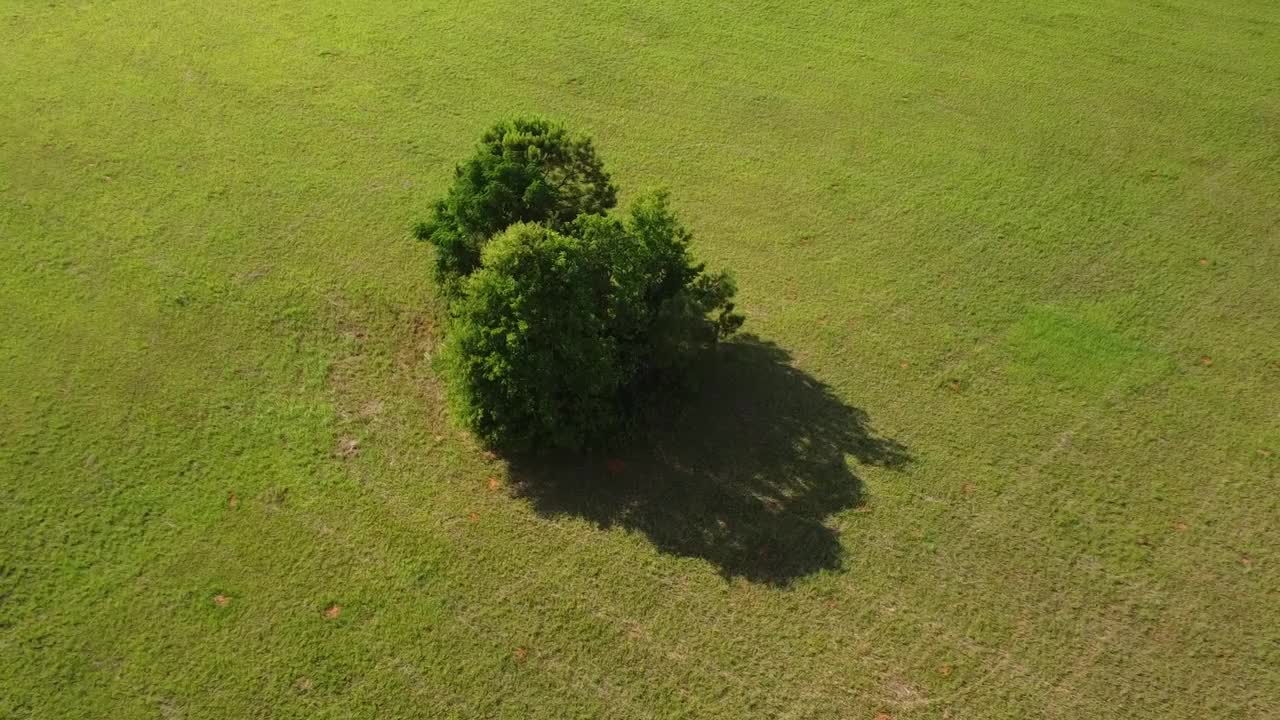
1003,442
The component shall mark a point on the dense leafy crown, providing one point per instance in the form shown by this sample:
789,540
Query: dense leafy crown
563,318
523,170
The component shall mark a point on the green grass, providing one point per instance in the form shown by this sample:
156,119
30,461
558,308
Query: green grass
1072,351
974,464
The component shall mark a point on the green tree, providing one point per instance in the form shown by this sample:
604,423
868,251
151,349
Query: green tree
523,170
529,358
662,306
556,338
563,319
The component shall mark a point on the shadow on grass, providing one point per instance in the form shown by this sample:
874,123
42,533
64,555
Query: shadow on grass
743,475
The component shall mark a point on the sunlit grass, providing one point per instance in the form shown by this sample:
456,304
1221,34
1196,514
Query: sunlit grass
1004,445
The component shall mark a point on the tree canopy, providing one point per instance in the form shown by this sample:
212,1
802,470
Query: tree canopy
563,318
523,170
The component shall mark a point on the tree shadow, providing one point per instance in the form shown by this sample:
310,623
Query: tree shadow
743,475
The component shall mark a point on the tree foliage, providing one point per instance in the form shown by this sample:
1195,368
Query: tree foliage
529,356
564,319
662,306
523,170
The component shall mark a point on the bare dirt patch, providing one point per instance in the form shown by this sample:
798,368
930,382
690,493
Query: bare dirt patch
903,692
348,447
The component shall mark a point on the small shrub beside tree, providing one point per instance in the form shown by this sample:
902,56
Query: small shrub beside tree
564,319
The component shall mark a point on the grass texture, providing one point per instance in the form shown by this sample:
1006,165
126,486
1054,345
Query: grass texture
1003,440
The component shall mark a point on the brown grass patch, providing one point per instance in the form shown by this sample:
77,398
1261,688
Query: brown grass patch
421,345
370,410
903,692
256,274
348,447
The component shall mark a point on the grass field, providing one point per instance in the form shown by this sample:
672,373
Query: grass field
1003,441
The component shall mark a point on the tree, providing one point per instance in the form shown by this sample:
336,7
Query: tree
563,320
662,307
523,170
529,357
